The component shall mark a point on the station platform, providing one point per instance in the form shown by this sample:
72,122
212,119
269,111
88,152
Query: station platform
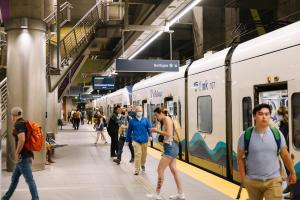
84,170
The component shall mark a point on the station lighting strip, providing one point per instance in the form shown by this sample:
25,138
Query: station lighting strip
168,25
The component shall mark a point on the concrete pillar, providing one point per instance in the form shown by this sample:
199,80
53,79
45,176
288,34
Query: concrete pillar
49,7
213,28
231,22
26,69
208,29
52,107
198,32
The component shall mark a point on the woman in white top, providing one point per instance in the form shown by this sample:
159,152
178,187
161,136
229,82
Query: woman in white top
168,157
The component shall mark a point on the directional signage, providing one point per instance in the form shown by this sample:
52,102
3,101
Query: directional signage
124,65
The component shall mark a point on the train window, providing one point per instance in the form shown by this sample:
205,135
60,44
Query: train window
204,114
247,112
296,119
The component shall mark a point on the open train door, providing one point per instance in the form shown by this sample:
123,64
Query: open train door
173,105
294,131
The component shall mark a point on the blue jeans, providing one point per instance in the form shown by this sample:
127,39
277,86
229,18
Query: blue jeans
22,168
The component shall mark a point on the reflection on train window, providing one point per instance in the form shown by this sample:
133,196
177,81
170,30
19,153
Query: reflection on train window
296,119
179,112
247,112
175,109
204,114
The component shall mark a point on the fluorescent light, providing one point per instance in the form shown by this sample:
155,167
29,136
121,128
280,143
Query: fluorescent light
183,12
170,23
145,45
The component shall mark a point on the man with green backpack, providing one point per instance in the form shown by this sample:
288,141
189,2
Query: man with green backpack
259,150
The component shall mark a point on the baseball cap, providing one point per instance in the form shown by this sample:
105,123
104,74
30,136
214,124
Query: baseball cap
16,111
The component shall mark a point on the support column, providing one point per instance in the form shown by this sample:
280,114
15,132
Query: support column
231,22
208,29
198,32
52,97
213,28
52,107
26,70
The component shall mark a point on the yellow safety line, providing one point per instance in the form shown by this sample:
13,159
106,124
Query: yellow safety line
209,179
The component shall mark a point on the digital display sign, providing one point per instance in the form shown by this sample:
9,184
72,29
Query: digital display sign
103,83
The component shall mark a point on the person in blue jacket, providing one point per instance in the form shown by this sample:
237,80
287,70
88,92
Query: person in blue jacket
139,134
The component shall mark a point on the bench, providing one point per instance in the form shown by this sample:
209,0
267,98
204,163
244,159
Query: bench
50,138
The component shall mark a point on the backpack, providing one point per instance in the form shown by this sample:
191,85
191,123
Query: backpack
177,136
76,115
34,136
247,137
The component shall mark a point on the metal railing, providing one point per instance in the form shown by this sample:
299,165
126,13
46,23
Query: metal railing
75,42
80,34
3,48
3,107
65,14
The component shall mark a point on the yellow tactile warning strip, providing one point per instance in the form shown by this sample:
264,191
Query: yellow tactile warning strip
211,180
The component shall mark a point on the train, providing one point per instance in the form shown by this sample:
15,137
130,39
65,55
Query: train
213,98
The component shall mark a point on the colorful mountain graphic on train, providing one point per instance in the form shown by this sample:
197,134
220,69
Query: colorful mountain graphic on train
199,148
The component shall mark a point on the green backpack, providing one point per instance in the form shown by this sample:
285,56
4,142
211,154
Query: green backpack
247,137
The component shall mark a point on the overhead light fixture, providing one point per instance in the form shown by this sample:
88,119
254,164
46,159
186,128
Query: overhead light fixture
169,24
145,45
24,23
183,12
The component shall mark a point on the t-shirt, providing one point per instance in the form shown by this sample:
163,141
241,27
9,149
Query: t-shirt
262,161
20,127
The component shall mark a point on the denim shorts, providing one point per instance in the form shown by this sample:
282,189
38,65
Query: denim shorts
170,150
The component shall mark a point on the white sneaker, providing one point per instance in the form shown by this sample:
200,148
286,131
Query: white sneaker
154,196
177,196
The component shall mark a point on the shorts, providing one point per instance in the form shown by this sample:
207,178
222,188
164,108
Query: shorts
100,128
171,150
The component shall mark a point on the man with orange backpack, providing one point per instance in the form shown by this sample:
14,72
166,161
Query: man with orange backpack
28,137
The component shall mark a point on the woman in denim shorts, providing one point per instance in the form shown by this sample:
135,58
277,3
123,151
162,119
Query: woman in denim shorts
168,157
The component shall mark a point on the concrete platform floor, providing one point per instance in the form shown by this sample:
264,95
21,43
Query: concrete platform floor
84,171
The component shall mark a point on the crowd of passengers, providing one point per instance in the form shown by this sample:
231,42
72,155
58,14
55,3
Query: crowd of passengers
260,149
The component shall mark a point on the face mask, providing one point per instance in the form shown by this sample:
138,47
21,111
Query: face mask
139,114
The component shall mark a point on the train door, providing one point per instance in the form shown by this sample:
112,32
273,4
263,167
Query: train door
173,107
242,119
294,129
276,95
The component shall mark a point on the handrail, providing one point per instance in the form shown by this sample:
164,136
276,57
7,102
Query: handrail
3,94
81,20
3,107
52,15
74,43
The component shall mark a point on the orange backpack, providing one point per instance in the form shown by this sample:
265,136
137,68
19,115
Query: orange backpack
34,137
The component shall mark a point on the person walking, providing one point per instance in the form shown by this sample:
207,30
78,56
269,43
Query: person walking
169,155
99,126
113,128
124,127
23,157
259,149
139,133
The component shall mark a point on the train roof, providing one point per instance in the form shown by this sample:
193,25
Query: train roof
212,61
121,91
279,39
160,78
